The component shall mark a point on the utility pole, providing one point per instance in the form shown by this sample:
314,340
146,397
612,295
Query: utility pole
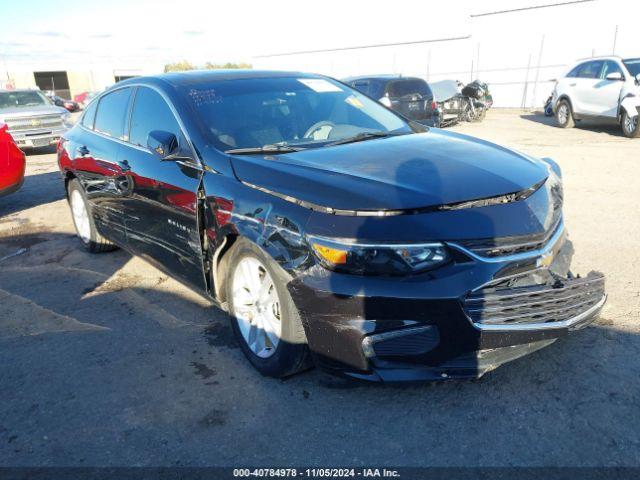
615,40
535,85
526,85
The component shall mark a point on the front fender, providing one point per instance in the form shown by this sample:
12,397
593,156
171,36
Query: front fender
630,104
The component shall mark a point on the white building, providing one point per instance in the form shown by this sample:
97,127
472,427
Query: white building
518,47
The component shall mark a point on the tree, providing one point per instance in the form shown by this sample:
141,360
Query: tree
217,66
178,66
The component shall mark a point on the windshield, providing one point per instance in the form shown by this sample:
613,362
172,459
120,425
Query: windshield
309,112
22,99
633,65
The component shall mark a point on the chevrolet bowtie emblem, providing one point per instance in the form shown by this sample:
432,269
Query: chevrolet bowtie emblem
545,260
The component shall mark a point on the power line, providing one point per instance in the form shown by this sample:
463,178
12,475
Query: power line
376,45
535,7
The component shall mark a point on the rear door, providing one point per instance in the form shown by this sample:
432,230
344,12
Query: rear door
93,148
164,226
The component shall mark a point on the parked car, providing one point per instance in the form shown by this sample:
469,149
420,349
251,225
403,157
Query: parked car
31,119
334,231
12,163
84,98
606,89
69,105
410,96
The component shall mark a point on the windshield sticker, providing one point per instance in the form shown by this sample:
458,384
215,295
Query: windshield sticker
204,97
319,85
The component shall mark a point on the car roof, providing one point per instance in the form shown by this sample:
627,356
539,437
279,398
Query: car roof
193,77
599,57
4,90
387,77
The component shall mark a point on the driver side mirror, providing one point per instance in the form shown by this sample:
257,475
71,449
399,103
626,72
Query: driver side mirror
638,79
615,76
164,145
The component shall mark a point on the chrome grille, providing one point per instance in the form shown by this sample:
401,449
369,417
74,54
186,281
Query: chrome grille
563,300
34,123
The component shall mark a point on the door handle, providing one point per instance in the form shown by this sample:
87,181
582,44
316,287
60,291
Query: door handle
83,150
572,84
124,165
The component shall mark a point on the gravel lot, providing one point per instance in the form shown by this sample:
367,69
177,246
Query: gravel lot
106,361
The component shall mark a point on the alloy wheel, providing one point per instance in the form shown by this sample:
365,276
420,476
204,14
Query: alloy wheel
563,113
630,123
80,216
256,306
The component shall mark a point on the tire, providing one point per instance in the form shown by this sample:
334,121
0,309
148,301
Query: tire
86,230
291,354
564,115
480,115
465,111
630,128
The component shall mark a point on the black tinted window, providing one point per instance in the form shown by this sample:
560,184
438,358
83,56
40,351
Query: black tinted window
89,115
150,112
112,113
574,73
590,69
410,86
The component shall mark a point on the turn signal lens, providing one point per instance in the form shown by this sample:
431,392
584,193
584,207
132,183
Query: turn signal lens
331,255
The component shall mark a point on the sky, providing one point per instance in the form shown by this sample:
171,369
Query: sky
68,34
140,31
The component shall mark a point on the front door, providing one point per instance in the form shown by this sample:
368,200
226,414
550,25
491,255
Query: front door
607,95
163,226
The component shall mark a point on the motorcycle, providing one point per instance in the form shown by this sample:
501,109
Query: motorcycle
548,107
476,100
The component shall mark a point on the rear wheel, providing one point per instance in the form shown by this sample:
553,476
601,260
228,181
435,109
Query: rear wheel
564,115
264,318
630,125
83,220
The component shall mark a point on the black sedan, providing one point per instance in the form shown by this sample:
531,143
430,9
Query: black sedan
333,231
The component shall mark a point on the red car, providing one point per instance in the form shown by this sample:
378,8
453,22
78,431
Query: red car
12,163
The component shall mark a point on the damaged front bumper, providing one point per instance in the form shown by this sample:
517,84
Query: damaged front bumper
460,321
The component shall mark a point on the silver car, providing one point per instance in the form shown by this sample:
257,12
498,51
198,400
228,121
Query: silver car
32,119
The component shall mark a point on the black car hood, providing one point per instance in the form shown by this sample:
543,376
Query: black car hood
394,173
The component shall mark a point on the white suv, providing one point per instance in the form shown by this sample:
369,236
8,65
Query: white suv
605,89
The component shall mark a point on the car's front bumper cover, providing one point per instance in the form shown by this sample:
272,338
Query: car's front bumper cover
423,329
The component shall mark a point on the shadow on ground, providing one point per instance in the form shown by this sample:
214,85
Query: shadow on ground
38,189
589,125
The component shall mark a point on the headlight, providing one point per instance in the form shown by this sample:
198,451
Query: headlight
66,119
378,259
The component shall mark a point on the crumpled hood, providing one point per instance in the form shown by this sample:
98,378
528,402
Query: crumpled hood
394,173
15,112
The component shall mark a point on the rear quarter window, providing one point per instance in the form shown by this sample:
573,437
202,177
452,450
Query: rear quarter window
89,116
112,113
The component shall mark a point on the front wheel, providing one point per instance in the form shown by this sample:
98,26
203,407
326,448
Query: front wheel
265,321
83,220
630,125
